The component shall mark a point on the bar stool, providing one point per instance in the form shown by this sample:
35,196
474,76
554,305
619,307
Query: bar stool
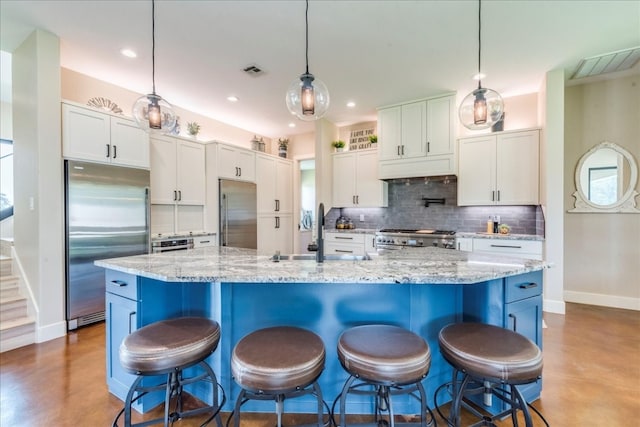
169,347
390,359
277,363
491,357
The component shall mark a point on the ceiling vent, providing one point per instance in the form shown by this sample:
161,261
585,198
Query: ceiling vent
253,70
607,63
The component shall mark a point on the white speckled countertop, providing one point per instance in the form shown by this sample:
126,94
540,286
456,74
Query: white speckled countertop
499,236
233,265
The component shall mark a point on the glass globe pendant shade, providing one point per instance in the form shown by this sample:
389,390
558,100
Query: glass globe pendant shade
154,114
308,98
481,109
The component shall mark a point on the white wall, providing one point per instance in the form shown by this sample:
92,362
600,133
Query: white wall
602,250
39,225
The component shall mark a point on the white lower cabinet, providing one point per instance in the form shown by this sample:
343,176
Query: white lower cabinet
275,234
341,243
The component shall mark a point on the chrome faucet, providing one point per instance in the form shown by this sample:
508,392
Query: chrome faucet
320,238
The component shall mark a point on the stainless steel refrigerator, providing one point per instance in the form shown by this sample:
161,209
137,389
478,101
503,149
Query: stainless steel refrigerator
107,216
238,219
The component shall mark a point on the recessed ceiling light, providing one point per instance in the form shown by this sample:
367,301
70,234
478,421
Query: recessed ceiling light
351,104
232,98
128,53
292,125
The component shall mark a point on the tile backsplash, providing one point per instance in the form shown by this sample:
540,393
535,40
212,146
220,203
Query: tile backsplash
407,210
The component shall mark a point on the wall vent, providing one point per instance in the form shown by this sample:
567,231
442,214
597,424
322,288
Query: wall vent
253,70
608,63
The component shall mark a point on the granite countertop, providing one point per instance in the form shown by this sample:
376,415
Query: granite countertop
234,265
480,235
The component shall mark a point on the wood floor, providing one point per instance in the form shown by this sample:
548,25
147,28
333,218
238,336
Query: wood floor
591,376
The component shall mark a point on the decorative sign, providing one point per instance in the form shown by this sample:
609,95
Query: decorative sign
359,139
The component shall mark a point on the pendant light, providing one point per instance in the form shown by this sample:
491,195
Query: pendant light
483,107
307,97
152,112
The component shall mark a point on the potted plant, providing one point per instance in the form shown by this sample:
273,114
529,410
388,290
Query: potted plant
193,128
283,143
338,145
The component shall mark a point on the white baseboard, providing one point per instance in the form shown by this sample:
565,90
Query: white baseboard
613,301
50,332
553,306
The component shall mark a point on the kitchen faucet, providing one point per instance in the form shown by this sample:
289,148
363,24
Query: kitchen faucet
320,238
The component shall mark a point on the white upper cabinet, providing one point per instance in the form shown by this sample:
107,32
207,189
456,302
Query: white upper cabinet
236,163
274,179
499,169
417,138
177,171
355,180
90,135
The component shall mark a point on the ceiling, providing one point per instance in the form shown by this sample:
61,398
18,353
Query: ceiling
373,53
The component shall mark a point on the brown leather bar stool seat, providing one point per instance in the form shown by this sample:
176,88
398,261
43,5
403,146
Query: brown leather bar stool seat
168,347
277,363
490,356
384,360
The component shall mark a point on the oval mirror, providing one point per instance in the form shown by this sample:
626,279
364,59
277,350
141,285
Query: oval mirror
606,178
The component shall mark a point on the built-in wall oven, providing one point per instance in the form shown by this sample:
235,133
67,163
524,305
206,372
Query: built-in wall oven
171,244
389,239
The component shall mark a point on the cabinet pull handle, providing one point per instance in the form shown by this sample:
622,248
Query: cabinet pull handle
506,246
179,195
119,283
115,151
343,251
515,322
108,150
343,238
131,314
528,285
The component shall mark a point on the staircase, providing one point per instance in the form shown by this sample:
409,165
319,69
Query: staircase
17,326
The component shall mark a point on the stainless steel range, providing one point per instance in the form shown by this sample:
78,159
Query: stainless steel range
394,238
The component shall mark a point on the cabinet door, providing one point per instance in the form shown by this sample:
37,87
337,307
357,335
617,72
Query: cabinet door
121,319
370,191
344,180
85,134
517,168
190,178
477,164
129,143
265,183
284,186
246,161
440,113
414,130
389,132
163,171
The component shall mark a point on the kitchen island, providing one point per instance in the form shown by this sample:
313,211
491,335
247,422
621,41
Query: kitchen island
420,289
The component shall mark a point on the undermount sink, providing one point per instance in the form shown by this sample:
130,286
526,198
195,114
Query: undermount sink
312,257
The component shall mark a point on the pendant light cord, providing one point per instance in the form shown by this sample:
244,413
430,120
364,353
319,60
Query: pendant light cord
306,24
479,40
153,45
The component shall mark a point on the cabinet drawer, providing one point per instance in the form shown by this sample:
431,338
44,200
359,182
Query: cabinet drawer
345,238
522,248
523,286
123,284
